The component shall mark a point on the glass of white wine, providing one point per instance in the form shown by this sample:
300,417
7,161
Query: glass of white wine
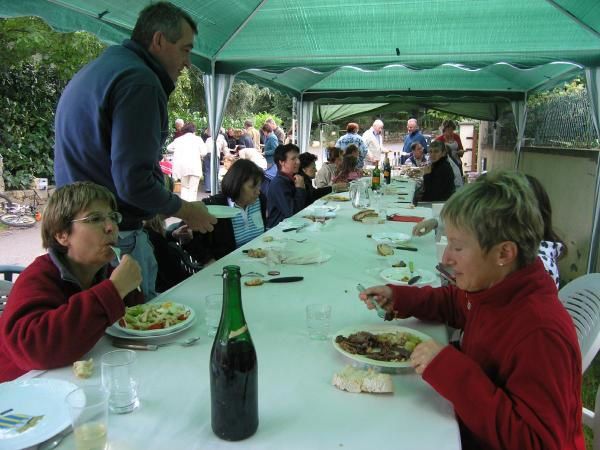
88,406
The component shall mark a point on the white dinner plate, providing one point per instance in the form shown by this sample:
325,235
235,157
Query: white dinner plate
391,238
160,332
376,329
223,212
293,222
34,397
401,275
325,212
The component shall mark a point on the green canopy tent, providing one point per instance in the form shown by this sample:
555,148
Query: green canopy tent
311,49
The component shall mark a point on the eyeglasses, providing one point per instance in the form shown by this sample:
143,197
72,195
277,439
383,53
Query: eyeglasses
99,219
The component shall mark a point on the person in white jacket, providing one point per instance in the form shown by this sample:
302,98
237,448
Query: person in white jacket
373,138
187,161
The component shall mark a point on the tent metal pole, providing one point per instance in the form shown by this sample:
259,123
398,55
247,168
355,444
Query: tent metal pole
592,79
574,18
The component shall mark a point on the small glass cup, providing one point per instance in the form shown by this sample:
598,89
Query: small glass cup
318,319
88,408
213,307
117,378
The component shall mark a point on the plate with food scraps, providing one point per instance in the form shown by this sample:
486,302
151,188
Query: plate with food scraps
387,345
401,275
336,198
222,211
391,238
32,411
155,319
325,212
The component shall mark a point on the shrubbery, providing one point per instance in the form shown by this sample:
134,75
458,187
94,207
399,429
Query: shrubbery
28,97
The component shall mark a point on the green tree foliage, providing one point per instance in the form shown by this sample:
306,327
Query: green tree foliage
40,62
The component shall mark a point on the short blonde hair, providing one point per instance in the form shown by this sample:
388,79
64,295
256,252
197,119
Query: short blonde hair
65,203
500,206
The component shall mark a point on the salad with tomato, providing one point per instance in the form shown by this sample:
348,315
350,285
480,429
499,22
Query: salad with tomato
154,316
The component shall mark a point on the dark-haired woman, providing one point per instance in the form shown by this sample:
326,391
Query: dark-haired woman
552,247
438,179
240,189
308,170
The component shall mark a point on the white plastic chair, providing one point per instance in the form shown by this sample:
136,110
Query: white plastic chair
592,420
581,298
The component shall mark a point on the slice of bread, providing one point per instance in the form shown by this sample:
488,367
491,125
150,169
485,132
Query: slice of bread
357,380
385,250
83,369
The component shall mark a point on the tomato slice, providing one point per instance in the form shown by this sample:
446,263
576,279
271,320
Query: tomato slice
156,326
122,322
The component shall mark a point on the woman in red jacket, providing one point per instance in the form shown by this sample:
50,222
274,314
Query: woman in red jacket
515,379
61,304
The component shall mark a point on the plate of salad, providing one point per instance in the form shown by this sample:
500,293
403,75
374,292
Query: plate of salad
155,319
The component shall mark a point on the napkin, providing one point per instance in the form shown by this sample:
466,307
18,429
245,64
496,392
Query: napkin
399,218
296,254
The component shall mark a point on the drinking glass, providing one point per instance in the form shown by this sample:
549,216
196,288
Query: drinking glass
213,308
88,408
318,318
117,378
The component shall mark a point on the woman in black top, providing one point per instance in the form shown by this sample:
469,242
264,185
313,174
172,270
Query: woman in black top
438,178
308,170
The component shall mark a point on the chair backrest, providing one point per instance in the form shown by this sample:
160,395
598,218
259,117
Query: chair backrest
581,298
8,271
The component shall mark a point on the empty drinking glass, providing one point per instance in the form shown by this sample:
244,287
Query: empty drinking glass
117,378
318,318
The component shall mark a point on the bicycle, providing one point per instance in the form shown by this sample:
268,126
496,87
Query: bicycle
17,215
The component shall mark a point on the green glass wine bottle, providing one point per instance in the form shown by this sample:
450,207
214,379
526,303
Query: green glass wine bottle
233,367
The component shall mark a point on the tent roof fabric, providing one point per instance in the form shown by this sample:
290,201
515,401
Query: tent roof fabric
323,47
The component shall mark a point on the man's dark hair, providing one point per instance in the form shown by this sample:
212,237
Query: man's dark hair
281,152
267,128
164,17
306,159
240,171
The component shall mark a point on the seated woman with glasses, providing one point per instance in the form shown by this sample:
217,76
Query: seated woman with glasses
61,303
438,178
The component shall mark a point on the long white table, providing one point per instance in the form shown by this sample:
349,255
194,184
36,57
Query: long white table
298,406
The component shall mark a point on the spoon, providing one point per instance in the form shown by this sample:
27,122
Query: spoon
117,252
380,311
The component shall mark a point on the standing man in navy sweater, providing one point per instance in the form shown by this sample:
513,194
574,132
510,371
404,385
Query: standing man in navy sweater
286,195
119,103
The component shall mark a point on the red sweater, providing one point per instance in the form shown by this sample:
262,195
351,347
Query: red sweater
516,381
50,322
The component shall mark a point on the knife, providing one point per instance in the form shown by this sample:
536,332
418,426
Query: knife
410,249
413,280
283,280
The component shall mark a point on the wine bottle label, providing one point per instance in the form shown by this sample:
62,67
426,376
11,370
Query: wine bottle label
237,332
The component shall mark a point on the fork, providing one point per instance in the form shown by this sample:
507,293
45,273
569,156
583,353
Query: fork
380,311
117,252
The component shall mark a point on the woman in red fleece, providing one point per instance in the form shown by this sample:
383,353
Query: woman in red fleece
61,304
515,381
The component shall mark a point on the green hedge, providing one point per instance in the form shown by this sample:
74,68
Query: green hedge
28,97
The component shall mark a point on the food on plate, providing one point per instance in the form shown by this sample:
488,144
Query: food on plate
83,369
357,380
319,219
359,216
254,282
267,238
257,253
336,198
399,264
154,316
392,347
385,250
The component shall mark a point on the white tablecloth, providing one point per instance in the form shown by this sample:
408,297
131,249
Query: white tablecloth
298,407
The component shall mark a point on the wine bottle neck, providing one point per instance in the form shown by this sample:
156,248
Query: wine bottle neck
233,323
